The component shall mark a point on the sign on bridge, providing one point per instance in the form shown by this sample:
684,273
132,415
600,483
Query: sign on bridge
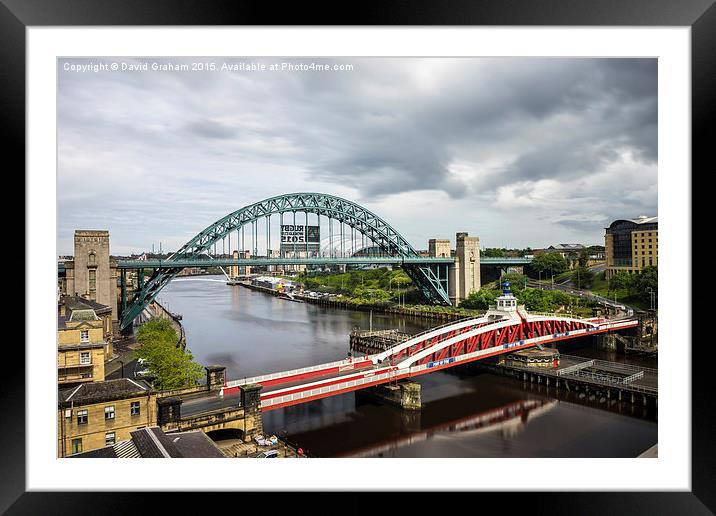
300,238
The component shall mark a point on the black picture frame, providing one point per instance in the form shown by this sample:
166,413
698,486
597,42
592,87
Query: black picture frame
700,15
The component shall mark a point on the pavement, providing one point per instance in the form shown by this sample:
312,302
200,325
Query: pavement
113,368
236,448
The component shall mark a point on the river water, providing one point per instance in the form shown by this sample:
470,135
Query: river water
465,413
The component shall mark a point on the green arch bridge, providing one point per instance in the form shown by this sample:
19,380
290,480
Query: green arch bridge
430,275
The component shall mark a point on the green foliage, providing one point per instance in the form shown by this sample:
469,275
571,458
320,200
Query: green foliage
517,280
173,367
583,258
553,263
491,252
582,277
621,281
480,300
642,283
536,300
363,286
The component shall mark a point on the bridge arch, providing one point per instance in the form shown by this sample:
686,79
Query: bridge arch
477,335
427,278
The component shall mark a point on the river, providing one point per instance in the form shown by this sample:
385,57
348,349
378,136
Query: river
465,413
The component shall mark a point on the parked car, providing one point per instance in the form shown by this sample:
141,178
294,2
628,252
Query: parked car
268,454
142,368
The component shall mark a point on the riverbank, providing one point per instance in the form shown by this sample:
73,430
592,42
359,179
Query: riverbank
160,312
439,313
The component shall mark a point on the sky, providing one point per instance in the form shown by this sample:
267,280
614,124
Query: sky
521,152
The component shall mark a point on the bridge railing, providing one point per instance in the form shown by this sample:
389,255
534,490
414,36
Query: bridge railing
286,398
292,372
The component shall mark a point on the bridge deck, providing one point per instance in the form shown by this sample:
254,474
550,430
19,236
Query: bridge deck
348,260
208,402
317,378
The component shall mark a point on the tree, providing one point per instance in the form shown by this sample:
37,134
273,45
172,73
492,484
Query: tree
645,282
173,367
583,277
480,300
620,281
554,263
493,253
517,281
583,258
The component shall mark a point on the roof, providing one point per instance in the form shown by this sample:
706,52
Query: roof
76,303
643,219
122,450
566,246
154,443
96,392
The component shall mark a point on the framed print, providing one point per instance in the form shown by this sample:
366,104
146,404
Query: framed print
420,240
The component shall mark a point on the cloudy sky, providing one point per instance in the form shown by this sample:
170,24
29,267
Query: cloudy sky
520,152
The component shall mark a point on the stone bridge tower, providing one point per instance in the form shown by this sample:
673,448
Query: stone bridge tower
465,272
92,274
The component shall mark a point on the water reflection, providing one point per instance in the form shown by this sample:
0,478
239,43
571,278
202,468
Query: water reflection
508,420
253,333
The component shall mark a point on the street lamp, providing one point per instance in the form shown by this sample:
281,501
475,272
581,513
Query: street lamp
651,297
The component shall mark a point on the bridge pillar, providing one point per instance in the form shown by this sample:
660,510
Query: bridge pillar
215,377
251,401
464,274
234,269
405,394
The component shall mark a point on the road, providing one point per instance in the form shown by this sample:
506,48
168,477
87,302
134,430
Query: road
581,293
206,402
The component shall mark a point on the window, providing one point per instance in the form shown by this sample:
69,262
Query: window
85,358
109,412
93,284
77,445
109,439
134,408
81,417
84,335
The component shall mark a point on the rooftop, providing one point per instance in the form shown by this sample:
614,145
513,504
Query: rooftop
153,443
566,246
643,219
97,392
76,303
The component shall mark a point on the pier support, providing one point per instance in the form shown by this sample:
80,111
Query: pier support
405,394
253,420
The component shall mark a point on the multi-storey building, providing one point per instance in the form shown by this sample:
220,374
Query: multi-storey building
92,274
631,245
94,415
84,340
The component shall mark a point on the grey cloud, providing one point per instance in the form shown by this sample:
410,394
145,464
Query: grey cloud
210,129
182,149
